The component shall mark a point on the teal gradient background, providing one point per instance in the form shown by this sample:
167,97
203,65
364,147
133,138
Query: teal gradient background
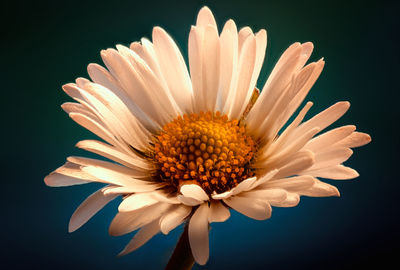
46,44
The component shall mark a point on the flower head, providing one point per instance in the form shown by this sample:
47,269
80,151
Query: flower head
192,147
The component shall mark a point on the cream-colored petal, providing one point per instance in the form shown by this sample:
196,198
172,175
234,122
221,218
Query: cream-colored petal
218,212
324,118
338,172
251,207
101,76
95,127
292,199
210,67
265,178
189,201
205,18
136,201
356,139
244,33
282,140
125,222
114,114
276,83
198,234
229,57
141,237
222,196
292,184
173,68
243,92
330,158
112,153
299,162
86,162
244,185
195,50
285,155
329,138
111,177
194,191
302,93
271,195
277,117
174,218
134,85
88,208
61,180
67,175
321,189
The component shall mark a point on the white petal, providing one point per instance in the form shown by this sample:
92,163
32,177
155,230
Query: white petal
244,185
324,118
112,153
356,139
132,81
228,63
189,201
111,177
329,138
174,218
125,222
338,172
136,201
84,161
141,237
321,189
292,184
194,191
265,178
210,67
218,212
198,234
173,68
195,50
62,180
277,81
300,161
88,209
243,92
67,175
291,200
101,76
95,127
222,196
251,207
284,156
282,139
330,158
271,195
205,18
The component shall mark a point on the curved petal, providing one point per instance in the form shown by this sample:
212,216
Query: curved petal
218,212
141,237
198,234
89,208
251,207
174,218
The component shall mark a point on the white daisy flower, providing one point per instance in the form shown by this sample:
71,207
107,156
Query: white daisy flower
191,146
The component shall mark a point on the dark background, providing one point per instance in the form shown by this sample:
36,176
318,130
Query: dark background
47,44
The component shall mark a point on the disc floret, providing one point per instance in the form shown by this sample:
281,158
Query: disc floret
205,149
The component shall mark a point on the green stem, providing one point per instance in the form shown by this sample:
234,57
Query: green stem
182,258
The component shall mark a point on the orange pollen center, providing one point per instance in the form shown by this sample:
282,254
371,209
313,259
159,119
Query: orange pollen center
204,149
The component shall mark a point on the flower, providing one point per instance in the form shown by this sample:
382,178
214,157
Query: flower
192,147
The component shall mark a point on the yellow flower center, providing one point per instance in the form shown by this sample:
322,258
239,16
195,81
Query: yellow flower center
204,149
